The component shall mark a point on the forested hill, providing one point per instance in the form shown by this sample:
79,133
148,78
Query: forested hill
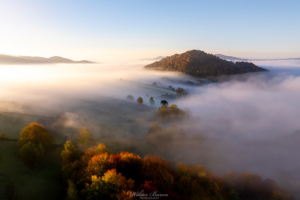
200,64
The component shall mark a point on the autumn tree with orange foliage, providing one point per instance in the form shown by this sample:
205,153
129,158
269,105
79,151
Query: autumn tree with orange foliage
36,134
140,100
99,174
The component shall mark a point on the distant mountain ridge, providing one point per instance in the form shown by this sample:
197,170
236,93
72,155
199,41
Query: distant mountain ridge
244,59
156,58
18,60
224,57
200,64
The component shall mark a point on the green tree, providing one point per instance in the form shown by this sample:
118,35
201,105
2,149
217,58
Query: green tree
70,153
151,100
72,191
85,137
101,148
36,134
140,100
31,153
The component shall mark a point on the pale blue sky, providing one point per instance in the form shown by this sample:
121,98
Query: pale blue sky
127,30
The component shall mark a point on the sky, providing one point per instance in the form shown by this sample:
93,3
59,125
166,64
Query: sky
129,30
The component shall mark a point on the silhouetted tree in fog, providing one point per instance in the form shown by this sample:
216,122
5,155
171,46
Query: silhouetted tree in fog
164,103
130,97
151,100
140,100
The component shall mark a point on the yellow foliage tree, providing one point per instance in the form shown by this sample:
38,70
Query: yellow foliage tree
110,183
36,134
140,100
85,137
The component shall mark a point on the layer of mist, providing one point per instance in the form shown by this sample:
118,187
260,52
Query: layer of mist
250,121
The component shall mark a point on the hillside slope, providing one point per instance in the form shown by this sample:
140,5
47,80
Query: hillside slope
200,64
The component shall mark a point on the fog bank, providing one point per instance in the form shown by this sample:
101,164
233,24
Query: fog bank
251,121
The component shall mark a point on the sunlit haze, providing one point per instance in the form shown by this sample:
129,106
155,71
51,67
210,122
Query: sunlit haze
125,100
130,30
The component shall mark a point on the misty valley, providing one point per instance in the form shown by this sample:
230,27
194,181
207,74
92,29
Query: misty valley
124,128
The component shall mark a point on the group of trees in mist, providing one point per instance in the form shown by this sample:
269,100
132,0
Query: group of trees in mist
34,141
181,92
99,174
140,100
171,112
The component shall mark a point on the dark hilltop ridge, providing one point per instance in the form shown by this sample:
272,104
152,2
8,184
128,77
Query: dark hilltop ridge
203,65
21,60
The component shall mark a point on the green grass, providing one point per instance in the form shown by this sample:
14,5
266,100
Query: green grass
45,181
109,121
12,123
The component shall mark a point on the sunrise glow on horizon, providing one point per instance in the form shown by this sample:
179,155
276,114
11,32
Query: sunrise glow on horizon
131,30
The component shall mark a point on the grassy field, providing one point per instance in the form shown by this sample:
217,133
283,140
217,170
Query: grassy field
32,184
119,124
43,182
12,123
